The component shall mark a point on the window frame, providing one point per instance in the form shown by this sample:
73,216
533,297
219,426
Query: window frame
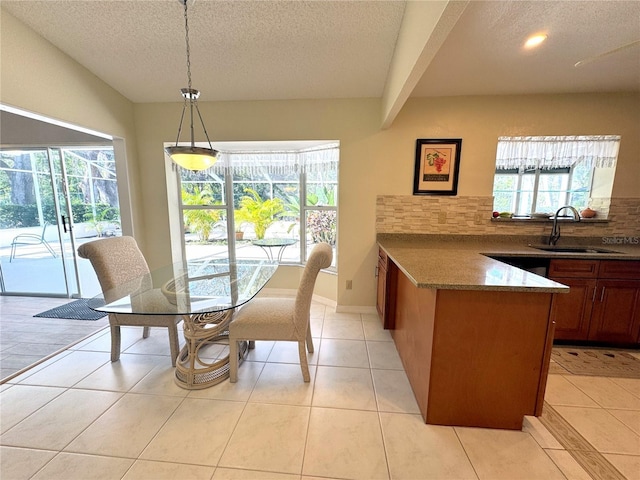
228,207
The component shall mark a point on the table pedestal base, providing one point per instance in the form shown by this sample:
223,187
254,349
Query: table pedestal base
200,330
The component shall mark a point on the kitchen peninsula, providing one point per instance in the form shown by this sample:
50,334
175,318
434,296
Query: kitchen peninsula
474,334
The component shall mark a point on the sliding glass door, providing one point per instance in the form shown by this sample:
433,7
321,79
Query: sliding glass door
51,199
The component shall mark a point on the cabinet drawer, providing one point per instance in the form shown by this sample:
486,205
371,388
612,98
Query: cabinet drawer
573,268
624,269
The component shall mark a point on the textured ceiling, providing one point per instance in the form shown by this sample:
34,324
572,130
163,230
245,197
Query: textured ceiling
240,50
484,54
282,49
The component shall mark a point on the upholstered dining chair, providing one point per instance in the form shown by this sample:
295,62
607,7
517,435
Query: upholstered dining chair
266,318
116,261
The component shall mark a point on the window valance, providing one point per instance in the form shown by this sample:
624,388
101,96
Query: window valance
323,158
557,152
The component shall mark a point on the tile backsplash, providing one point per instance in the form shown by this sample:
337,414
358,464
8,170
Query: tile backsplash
416,214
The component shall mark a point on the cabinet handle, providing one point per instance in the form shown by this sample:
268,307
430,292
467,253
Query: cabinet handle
602,295
593,297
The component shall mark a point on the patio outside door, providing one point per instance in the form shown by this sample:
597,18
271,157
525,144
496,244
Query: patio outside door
51,199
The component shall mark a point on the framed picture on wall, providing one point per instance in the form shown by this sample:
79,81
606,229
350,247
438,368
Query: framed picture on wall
437,166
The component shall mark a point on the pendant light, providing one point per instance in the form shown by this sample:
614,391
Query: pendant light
191,157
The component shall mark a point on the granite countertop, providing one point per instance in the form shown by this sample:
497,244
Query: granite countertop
459,262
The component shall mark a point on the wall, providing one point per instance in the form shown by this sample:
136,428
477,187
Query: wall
354,123
37,77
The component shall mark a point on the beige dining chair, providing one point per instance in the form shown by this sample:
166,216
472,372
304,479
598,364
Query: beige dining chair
287,319
117,261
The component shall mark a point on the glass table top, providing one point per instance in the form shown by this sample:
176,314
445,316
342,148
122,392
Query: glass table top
201,285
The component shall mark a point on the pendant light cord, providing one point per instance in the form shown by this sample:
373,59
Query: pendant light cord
186,30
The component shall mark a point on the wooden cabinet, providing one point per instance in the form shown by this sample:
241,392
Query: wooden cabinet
603,305
386,273
475,358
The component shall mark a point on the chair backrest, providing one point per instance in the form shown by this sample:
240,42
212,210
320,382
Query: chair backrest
116,260
320,258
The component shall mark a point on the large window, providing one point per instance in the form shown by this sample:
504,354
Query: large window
262,203
542,174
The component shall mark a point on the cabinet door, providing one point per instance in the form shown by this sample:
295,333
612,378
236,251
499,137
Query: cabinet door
572,311
616,313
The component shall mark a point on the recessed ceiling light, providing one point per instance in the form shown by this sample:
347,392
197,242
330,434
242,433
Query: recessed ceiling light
535,40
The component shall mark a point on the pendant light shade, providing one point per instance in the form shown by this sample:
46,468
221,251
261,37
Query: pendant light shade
191,157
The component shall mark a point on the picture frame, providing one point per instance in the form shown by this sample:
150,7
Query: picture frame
437,166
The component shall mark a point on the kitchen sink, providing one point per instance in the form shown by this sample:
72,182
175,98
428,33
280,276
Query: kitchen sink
569,249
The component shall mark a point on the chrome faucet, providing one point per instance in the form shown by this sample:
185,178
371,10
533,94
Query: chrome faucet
555,231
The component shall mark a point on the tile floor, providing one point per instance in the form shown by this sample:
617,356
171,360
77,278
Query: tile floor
79,416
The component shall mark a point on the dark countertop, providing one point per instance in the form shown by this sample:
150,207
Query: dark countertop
462,262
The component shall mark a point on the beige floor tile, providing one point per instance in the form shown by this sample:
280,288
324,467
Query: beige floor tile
333,315
346,329
568,465
287,352
69,370
384,355
148,470
58,422
122,375
20,401
538,431
630,384
307,477
562,392
506,454
602,430
283,383
344,387
316,324
269,438
373,330
318,310
71,466
240,391
628,465
39,366
261,351
22,463
102,342
156,344
343,353
393,392
433,452
344,444
631,418
237,474
196,433
135,417
160,381
605,392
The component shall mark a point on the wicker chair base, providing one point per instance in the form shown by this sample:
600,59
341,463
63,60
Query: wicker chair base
193,372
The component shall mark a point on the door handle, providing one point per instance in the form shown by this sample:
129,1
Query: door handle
64,223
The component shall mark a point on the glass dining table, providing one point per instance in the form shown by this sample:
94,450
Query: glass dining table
205,293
